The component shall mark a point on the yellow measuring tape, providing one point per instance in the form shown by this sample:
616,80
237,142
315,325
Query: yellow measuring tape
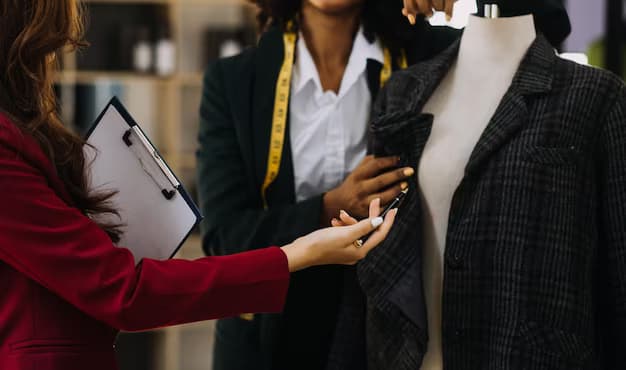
385,73
281,104
279,118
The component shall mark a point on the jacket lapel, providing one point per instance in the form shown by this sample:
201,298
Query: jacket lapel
389,274
373,77
534,76
270,54
429,78
402,130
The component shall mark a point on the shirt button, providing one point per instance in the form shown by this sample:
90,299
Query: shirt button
455,261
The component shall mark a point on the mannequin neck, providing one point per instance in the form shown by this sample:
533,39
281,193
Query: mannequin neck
491,41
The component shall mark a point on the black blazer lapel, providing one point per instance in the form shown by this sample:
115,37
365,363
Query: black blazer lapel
270,54
534,76
402,130
426,82
373,77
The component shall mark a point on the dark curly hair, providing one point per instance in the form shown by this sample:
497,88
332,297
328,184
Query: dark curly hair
32,32
381,18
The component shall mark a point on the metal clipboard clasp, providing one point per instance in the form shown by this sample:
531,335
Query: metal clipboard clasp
152,162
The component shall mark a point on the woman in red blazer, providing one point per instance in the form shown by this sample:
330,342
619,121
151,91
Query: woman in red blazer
65,288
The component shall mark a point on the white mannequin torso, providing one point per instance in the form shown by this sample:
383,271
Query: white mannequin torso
490,53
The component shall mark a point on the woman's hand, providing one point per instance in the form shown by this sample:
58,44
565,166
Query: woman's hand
373,178
414,7
337,245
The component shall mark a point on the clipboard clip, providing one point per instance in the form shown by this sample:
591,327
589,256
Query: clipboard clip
156,158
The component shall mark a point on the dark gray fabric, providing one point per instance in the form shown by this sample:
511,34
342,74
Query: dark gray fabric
535,261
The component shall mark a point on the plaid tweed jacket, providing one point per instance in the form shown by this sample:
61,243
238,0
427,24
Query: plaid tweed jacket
535,260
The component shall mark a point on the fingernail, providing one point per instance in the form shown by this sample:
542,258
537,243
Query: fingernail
404,12
377,222
343,212
408,172
411,18
448,18
404,185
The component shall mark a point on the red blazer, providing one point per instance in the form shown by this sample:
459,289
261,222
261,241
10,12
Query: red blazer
65,289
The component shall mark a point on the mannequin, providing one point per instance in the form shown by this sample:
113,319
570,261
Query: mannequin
490,53
534,234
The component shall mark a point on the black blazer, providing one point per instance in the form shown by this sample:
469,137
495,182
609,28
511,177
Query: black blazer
236,119
535,261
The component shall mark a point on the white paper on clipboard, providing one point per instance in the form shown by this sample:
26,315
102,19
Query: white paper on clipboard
156,210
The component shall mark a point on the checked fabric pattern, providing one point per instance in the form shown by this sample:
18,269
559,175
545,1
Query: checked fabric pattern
535,260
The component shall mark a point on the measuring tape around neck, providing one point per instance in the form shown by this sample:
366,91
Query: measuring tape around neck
385,73
279,118
281,104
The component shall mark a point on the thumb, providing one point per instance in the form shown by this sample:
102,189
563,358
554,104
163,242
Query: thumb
364,227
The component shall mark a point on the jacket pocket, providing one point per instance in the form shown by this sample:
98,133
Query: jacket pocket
551,156
53,354
542,347
51,346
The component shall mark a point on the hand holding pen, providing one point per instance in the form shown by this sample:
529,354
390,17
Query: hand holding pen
336,245
346,219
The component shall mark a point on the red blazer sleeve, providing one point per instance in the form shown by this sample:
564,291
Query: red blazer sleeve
63,250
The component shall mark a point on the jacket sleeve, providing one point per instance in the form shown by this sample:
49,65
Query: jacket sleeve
58,247
613,234
228,193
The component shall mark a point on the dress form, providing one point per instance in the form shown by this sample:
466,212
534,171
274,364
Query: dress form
490,53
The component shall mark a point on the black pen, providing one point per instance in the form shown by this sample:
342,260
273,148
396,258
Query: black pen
394,204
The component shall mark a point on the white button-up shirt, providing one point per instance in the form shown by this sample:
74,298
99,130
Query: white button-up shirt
328,131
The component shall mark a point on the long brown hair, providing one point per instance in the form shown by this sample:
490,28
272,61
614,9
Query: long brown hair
32,34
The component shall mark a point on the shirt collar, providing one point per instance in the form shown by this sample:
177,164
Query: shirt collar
305,70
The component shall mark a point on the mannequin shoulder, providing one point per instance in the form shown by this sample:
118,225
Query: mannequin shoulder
586,82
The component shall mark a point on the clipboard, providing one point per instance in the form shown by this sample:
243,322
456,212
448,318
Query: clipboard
157,212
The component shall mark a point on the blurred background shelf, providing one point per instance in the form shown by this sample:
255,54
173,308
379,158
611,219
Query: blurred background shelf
93,77
191,79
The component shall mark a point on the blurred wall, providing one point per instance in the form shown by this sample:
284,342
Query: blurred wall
587,17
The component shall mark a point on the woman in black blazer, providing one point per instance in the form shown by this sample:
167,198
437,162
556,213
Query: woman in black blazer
241,113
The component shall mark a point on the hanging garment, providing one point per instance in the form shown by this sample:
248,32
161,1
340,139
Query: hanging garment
535,261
